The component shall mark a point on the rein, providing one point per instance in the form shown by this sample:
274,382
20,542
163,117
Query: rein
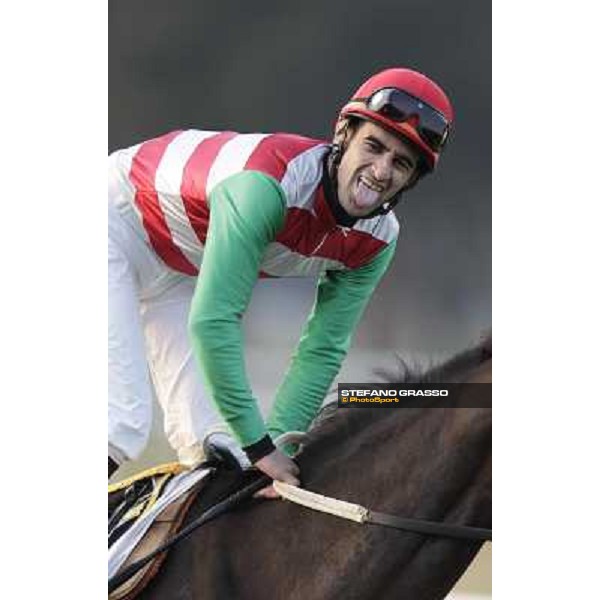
314,501
332,506
214,511
362,515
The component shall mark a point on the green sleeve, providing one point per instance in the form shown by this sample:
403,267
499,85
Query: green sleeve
341,299
246,212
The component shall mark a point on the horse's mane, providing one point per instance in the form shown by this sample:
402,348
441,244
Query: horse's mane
330,420
443,372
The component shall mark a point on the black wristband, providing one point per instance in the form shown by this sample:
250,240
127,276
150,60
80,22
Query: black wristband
259,449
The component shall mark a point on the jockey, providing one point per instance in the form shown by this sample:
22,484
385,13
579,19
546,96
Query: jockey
196,217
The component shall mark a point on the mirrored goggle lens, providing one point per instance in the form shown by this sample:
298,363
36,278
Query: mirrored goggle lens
433,128
399,106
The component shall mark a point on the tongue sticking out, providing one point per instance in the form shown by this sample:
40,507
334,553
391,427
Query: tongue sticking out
365,197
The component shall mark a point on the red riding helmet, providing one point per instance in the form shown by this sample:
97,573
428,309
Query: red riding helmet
408,103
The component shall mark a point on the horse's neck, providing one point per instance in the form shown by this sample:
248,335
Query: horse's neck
405,460
426,463
482,373
433,464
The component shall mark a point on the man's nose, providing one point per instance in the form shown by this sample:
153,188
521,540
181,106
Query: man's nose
382,168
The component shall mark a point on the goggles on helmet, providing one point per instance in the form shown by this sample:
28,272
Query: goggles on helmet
399,106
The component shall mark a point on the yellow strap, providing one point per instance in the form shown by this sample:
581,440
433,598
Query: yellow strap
173,468
143,507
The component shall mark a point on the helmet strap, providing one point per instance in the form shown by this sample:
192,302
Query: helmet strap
337,151
385,208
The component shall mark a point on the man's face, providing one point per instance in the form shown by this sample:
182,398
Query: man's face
375,166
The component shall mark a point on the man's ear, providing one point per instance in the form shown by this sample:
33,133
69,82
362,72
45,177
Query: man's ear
341,131
345,130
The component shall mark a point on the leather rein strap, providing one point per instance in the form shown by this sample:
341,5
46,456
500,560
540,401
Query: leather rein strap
346,510
216,510
430,527
360,514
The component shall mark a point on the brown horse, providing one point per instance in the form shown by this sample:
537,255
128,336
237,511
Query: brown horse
430,463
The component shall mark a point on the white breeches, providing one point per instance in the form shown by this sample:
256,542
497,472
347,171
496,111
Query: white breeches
148,307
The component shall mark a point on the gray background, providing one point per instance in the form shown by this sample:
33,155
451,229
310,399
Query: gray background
272,66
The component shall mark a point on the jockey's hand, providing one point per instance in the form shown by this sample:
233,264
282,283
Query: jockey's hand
280,467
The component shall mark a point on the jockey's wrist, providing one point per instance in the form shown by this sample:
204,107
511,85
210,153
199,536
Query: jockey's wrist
259,449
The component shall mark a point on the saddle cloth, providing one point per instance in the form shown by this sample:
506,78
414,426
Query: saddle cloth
145,511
